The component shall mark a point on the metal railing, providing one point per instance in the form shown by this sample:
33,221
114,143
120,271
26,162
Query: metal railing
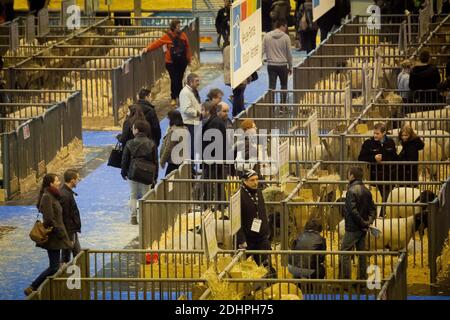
170,275
438,232
37,124
109,83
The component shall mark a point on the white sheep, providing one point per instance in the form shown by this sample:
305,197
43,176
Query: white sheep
396,233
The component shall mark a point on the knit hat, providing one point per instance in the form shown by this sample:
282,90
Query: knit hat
248,174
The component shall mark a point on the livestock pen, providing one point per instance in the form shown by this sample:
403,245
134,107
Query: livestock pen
189,275
105,64
31,40
39,127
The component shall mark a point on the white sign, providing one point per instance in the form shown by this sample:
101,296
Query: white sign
65,4
209,231
126,67
246,40
26,132
235,212
284,160
320,7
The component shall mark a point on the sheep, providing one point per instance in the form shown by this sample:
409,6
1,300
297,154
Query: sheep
430,124
396,233
410,195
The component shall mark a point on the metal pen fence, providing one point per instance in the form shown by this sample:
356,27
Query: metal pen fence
108,83
37,124
172,275
438,233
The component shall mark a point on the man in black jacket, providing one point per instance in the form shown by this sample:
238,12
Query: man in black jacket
71,214
376,150
150,115
223,23
425,76
254,232
143,148
213,128
309,266
359,214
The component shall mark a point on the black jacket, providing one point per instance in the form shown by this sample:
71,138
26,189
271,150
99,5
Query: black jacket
424,78
370,148
249,211
127,133
310,240
152,119
410,152
71,214
214,122
223,21
359,210
139,147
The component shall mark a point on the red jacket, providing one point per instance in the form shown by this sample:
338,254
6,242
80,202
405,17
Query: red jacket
166,40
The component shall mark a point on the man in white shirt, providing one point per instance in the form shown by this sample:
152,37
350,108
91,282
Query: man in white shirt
190,106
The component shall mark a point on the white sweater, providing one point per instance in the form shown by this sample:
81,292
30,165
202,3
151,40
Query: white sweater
189,106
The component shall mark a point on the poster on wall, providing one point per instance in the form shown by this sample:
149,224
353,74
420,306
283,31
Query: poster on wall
246,40
320,7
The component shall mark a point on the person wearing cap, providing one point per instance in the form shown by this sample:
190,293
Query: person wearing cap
254,232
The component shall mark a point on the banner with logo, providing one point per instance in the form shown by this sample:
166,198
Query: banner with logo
245,40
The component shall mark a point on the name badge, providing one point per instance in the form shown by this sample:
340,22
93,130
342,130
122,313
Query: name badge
256,225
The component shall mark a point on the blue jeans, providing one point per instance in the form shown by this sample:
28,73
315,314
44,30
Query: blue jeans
54,257
356,239
137,191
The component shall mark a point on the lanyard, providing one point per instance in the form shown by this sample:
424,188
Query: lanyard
254,199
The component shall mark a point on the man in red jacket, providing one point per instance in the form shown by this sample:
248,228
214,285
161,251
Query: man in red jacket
177,56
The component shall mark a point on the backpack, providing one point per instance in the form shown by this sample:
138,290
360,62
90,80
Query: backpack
142,171
178,50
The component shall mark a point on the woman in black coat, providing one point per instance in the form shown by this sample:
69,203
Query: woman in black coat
51,209
411,145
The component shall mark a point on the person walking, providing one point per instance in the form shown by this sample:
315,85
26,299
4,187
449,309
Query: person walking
150,115
277,48
238,92
280,11
309,266
359,214
190,107
176,129
306,28
71,214
254,231
134,114
141,154
376,150
213,166
222,22
411,145
178,56
48,204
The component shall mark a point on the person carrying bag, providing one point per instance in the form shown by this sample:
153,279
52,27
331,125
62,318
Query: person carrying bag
139,164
